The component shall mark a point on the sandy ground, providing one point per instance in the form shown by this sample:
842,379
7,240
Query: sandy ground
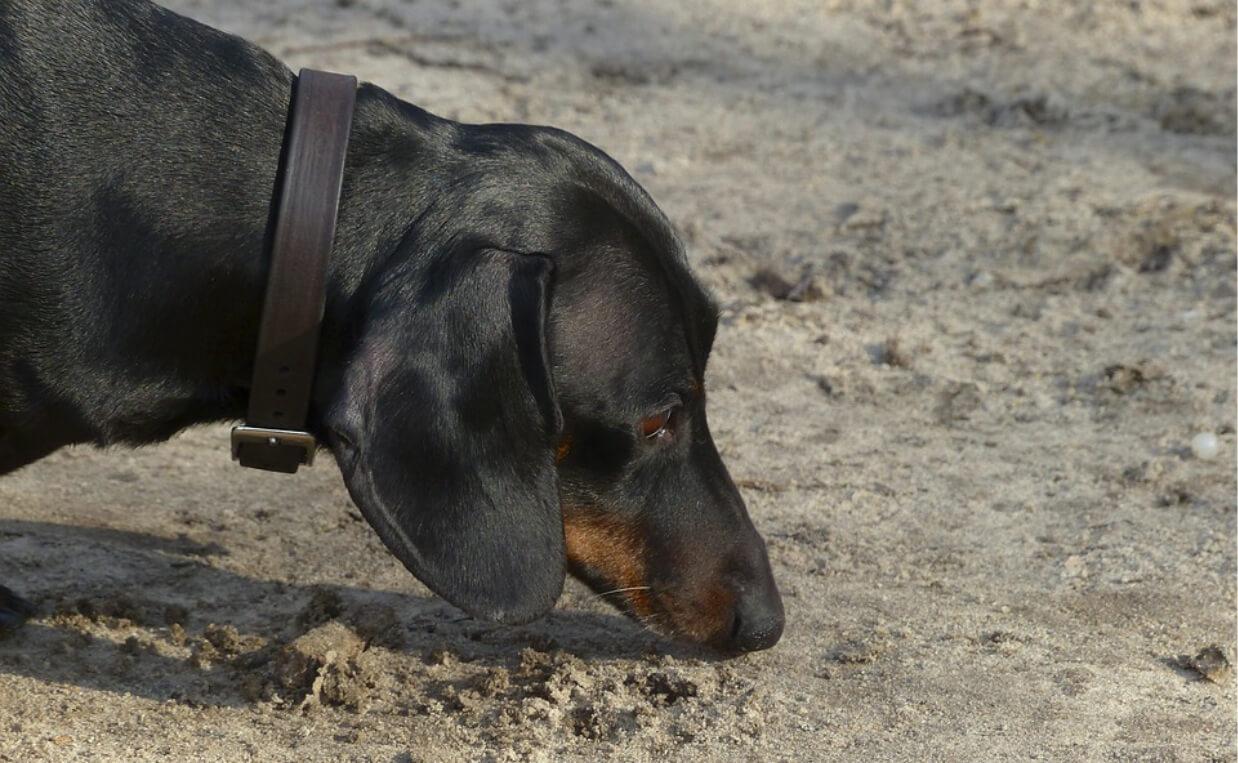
977,262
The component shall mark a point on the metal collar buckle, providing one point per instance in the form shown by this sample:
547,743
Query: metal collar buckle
279,450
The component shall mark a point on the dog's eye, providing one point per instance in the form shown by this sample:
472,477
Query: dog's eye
655,426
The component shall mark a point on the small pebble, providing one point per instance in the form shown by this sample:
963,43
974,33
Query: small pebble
1211,664
1205,446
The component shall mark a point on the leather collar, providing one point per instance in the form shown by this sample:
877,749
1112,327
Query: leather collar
275,436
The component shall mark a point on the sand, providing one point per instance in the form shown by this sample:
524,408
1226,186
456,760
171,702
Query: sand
977,268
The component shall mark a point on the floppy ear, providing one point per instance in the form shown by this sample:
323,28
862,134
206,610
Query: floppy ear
445,432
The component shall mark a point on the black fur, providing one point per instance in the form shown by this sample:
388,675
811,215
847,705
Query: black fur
493,290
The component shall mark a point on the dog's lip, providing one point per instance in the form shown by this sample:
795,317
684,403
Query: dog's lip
646,605
656,607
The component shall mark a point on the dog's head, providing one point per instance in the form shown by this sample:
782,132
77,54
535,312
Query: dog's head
524,395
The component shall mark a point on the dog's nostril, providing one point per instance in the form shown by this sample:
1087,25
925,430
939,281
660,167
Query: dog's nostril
736,623
756,623
753,637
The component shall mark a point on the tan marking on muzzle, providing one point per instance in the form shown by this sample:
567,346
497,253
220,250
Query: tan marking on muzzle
704,618
613,549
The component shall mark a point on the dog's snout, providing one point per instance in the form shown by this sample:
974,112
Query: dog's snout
757,620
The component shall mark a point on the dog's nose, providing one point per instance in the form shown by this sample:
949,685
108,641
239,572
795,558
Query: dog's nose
757,620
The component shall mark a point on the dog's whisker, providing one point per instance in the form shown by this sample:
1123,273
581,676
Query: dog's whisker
652,629
650,623
604,594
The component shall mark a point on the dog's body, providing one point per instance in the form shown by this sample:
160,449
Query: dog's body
510,374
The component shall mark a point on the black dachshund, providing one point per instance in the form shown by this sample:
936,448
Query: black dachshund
511,368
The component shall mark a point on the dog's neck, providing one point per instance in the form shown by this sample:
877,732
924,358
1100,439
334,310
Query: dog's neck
376,209
207,329
134,223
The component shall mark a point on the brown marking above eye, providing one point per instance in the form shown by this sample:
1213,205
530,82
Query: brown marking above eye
565,447
655,425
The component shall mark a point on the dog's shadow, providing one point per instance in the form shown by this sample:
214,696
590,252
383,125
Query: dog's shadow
192,627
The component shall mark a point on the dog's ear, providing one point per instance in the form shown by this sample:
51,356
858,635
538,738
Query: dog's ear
445,426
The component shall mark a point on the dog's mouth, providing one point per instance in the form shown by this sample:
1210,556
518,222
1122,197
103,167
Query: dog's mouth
664,612
611,557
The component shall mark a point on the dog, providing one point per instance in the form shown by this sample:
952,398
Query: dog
511,370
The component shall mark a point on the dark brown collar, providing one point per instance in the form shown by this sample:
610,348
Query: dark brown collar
275,436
